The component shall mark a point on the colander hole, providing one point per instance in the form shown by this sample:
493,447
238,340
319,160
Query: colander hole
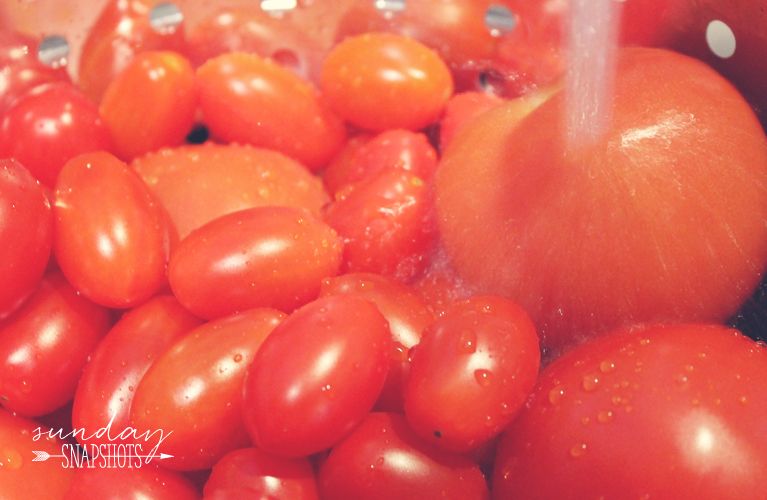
165,17
53,51
499,20
278,6
388,7
720,39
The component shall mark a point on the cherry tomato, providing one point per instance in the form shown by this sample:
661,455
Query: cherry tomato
21,69
394,149
335,176
247,99
193,391
197,184
316,376
21,478
471,373
108,383
460,109
661,220
407,315
25,220
381,81
121,31
384,459
386,224
44,346
111,237
98,480
50,125
656,412
150,104
259,473
260,257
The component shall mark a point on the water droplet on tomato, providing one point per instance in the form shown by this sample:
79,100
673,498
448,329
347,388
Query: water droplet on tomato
585,421
237,358
578,450
130,388
484,377
10,459
467,343
555,395
606,366
364,285
680,380
605,416
329,392
591,382
743,400
380,461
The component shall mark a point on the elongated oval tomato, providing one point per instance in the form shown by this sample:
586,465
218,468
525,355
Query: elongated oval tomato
111,236
381,81
21,478
316,376
401,149
197,184
257,472
260,257
247,99
673,411
384,459
471,372
26,228
106,388
99,480
194,390
44,346
150,104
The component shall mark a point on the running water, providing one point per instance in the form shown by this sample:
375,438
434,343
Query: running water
588,86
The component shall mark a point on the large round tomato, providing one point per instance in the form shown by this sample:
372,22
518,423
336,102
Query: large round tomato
654,412
661,219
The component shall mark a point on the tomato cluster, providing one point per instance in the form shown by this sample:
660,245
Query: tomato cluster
385,273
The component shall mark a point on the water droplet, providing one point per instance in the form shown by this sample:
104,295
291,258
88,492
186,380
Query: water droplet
629,409
605,416
585,421
606,366
364,285
380,461
616,400
329,392
237,358
130,388
760,343
743,400
591,382
10,459
467,344
680,380
555,395
484,377
578,450
644,341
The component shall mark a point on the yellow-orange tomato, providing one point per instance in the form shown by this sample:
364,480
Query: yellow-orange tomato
381,81
150,104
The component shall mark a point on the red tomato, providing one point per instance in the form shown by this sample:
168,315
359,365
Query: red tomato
247,99
336,174
661,220
197,184
150,104
45,345
384,459
657,412
107,385
460,109
260,257
193,391
22,70
471,373
259,473
25,220
50,125
407,315
316,376
386,224
394,149
381,81
121,31
111,237
22,479
115,483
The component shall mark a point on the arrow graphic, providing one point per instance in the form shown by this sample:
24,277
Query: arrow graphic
41,456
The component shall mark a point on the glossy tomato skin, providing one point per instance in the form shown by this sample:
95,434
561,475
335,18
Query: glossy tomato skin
402,149
197,184
22,479
150,104
316,376
460,109
383,459
386,223
471,373
258,473
50,125
336,175
44,346
407,315
121,31
247,99
25,220
106,388
260,257
651,223
670,411
381,81
111,236
22,70
194,390
116,483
